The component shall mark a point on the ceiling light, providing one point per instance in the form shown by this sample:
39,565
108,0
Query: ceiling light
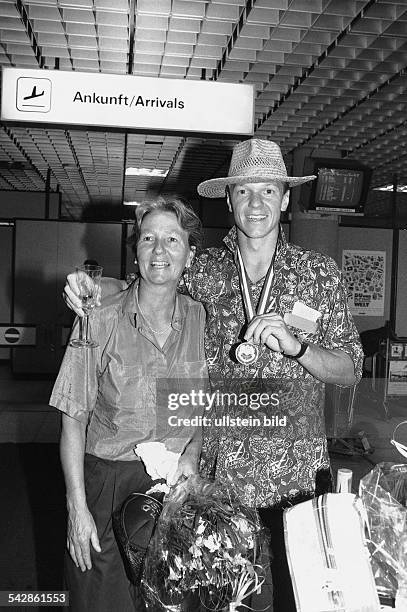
146,172
131,203
400,188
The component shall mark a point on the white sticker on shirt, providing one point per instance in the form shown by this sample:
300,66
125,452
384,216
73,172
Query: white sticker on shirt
303,317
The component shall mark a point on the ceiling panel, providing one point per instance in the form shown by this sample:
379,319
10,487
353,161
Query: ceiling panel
328,74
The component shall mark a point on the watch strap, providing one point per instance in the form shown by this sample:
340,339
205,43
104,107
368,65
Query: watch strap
303,348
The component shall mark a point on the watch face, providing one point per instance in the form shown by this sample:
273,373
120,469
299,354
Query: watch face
246,353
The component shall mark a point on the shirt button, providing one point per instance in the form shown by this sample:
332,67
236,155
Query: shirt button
140,329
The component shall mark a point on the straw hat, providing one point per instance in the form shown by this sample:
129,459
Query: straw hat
253,161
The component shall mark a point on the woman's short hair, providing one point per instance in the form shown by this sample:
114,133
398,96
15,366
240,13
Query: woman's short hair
187,219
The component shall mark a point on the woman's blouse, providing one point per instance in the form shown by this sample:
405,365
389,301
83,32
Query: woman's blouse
130,389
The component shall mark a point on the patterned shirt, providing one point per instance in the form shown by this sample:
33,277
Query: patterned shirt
270,464
121,388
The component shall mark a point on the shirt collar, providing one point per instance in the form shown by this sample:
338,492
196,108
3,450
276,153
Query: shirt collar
230,241
130,306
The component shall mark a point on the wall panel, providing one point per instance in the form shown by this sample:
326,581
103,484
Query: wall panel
6,257
45,252
401,311
369,239
27,204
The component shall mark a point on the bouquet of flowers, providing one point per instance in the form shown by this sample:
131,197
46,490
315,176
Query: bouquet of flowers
207,545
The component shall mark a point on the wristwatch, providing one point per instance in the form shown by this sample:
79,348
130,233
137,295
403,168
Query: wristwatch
303,348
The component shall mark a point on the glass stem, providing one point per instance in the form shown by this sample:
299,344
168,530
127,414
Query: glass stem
85,327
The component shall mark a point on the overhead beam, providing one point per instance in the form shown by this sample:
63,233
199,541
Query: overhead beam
174,161
343,114
307,72
132,34
10,134
378,135
63,24
233,38
77,164
30,33
130,66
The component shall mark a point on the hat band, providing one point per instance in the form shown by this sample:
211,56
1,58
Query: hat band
278,173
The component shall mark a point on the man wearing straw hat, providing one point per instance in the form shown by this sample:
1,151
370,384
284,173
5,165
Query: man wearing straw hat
275,311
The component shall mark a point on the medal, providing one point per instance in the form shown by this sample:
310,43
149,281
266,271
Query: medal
246,353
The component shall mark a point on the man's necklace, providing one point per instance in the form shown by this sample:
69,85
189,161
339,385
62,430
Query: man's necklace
155,331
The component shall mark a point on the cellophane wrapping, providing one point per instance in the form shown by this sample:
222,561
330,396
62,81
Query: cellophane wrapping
207,548
384,494
328,556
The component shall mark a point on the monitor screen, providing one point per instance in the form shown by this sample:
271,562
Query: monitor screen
341,186
338,188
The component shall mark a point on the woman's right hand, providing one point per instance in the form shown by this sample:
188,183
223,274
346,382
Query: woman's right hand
81,533
71,295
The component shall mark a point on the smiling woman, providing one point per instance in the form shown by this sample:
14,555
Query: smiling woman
165,237
149,336
186,217
162,249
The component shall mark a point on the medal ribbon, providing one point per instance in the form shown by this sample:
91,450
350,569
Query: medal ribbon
246,291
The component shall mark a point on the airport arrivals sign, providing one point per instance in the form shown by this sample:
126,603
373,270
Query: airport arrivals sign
132,102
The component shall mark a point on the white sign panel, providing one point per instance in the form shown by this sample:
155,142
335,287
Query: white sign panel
365,275
93,99
397,378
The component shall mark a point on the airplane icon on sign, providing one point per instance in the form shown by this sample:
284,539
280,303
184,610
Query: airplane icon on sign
34,94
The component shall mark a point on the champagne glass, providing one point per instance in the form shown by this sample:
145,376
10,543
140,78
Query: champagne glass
88,278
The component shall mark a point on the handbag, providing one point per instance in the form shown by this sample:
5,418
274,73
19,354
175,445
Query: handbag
133,524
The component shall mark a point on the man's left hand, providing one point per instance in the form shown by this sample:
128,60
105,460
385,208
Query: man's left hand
270,329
